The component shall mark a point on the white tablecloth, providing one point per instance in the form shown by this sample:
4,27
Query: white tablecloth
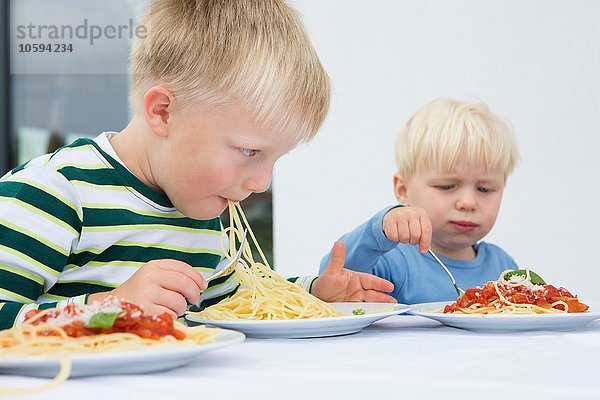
401,357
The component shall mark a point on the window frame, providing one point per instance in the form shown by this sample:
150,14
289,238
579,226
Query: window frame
6,141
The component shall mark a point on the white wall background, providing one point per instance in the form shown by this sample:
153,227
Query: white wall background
537,63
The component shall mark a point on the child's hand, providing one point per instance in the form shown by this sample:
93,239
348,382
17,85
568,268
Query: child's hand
340,284
160,286
408,225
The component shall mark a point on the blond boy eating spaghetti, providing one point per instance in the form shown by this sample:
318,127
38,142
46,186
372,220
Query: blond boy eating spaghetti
220,91
453,159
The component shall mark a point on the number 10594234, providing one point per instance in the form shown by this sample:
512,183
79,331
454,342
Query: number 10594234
45,48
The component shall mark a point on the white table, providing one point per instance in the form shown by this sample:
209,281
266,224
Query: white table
401,357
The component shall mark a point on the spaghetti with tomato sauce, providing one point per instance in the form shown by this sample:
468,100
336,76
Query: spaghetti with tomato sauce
130,320
516,296
111,325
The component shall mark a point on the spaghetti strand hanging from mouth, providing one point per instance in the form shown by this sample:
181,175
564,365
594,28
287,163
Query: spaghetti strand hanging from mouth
263,294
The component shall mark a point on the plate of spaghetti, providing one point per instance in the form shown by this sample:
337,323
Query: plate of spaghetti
267,305
517,301
109,337
347,318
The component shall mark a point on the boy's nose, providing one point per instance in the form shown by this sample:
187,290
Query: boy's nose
466,202
259,181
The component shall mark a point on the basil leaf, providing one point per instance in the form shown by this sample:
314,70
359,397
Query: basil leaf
359,311
535,278
102,320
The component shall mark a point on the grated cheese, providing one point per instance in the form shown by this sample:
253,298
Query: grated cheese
84,313
516,278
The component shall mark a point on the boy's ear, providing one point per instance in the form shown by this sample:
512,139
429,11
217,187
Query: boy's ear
400,189
159,103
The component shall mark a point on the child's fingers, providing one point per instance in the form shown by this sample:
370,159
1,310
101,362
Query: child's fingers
171,300
338,258
391,232
186,269
372,282
154,309
378,297
414,230
176,281
426,232
400,231
408,225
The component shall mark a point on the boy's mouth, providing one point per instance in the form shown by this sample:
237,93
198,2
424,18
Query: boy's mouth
227,199
463,226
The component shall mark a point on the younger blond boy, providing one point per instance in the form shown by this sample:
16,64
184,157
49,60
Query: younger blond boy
453,161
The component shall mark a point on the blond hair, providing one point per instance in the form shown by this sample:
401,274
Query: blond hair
446,132
253,53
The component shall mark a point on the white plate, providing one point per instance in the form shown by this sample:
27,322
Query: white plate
118,362
311,327
504,323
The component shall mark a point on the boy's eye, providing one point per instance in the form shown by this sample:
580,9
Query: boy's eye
249,152
445,187
483,189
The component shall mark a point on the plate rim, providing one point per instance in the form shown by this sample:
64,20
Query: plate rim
399,308
228,337
414,310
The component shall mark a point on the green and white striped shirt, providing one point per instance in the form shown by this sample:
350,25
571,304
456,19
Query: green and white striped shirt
77,222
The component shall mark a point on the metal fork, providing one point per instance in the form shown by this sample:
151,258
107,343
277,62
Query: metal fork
229,268
458,288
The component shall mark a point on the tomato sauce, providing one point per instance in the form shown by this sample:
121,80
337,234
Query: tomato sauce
542,296
131,320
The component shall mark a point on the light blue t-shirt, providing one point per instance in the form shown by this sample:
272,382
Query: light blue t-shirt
417,277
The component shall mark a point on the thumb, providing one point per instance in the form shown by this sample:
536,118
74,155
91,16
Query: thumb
338,257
